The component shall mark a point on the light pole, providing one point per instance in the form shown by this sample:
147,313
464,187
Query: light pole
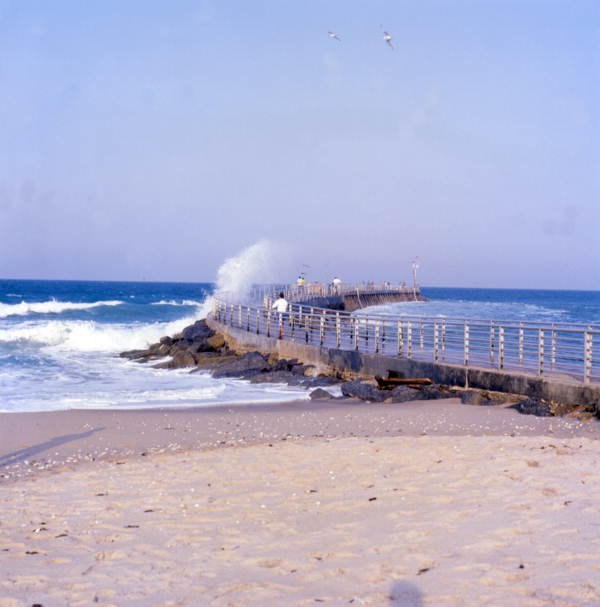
415,267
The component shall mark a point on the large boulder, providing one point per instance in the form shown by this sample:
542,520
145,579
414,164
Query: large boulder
320,394
283,364
247,365
199,331
404,394
272,377
135,354
435,391
364,391
179,361
534,406
476,397
216,341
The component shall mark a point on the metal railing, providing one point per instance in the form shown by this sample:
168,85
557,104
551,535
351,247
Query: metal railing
316,290
569,352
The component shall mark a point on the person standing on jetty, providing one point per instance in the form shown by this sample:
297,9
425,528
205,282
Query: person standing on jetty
336,283
281,306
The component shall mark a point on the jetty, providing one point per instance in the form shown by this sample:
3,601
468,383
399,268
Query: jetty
350,298
328,327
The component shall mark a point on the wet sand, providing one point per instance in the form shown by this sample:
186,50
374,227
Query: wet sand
343,502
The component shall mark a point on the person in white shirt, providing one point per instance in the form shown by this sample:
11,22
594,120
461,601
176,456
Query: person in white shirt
281,304
337,283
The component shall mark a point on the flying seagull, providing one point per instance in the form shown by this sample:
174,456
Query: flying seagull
388,38
335,36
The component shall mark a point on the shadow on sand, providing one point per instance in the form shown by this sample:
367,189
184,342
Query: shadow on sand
28,452
405,594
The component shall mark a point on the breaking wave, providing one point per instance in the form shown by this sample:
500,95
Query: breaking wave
49,307
173,302
89,336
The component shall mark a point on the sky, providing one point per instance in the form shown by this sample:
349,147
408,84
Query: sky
150,140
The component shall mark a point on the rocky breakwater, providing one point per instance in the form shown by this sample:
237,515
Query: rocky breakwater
200,348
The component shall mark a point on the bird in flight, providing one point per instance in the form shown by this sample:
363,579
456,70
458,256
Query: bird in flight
388,38
334,36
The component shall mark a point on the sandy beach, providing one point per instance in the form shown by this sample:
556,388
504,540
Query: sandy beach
343,502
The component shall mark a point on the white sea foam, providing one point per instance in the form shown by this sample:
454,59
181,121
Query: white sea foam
49,307
89,336
173,302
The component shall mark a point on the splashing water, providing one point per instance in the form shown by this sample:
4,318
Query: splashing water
260,263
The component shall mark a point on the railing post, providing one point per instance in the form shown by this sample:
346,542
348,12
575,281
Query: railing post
492,339
435,342
239,316
466,345
257,321
322,328
521,343
409,339
269,322
587,357
501,347
443,340
400,339
553,347
421,335
356,324
541,352
292,323
383,335
366,333
377,322
280,325
231,315
248,319
338,332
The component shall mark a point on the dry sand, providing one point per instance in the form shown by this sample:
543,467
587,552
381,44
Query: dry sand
430,503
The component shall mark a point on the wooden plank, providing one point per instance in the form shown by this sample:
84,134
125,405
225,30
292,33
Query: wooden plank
393,382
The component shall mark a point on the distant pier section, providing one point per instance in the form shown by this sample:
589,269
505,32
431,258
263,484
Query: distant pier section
351,297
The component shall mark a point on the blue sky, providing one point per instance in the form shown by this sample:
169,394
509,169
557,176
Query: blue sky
150,140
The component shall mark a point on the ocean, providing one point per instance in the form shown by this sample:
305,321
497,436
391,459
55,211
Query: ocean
59,340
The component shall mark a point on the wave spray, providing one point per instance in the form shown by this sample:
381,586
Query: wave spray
260,263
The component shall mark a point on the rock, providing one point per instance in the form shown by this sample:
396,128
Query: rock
198,331
166,340
403,394
434,392
272,377
318,381
135,354
320,394
216,341
282,365
246,365
471,397
364,391
300,369
179,361
534,406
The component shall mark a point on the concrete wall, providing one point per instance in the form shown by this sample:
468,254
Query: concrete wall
368,365
351,302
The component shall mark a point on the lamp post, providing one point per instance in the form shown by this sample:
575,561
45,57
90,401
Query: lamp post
415,267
